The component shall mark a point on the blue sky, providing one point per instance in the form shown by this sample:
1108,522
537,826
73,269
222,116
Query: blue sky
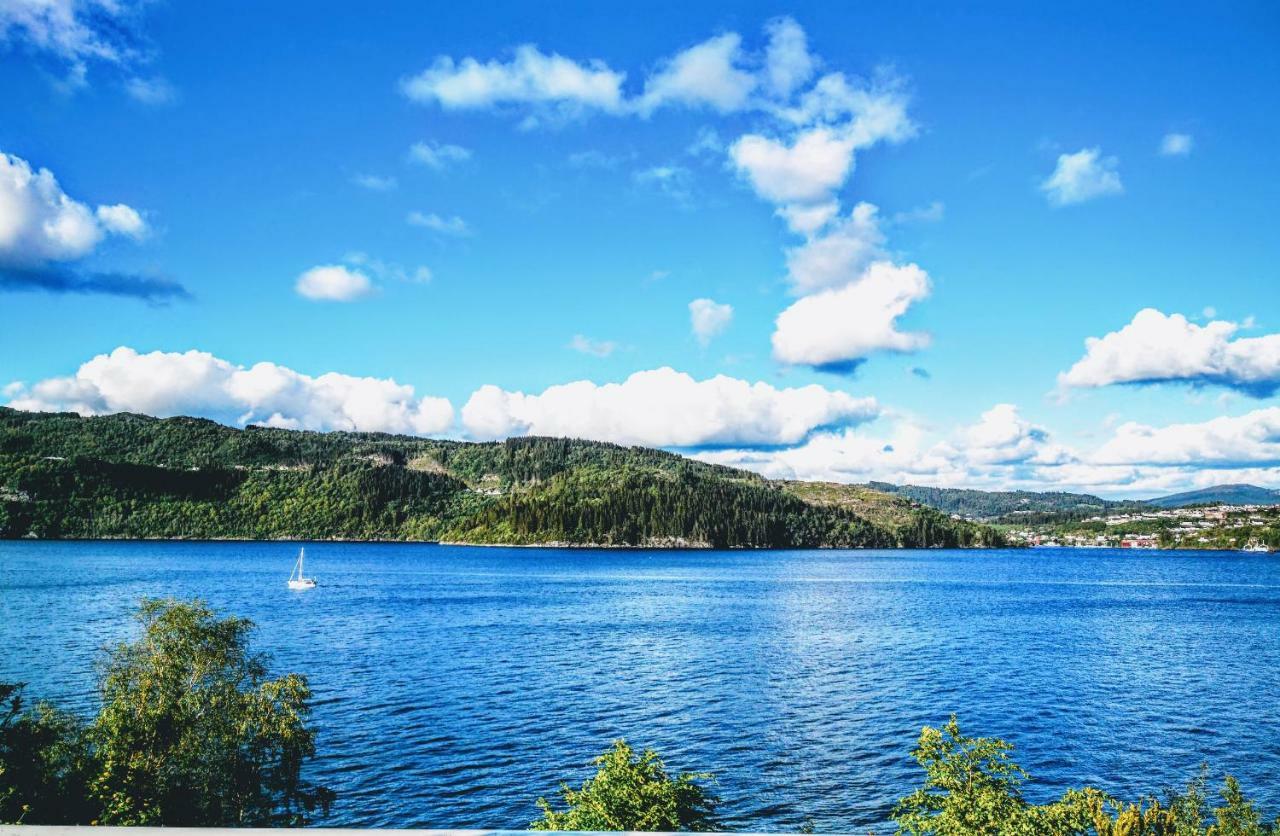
1039,177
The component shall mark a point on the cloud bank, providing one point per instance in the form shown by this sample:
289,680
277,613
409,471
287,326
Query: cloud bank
665,408
198,383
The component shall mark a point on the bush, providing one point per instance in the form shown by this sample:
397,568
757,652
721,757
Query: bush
632,793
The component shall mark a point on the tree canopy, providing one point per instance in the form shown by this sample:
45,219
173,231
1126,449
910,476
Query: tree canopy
191,732
633,792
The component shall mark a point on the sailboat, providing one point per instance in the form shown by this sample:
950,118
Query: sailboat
296,579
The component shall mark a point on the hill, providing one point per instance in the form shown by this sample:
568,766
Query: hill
992,505
1220,495
132,476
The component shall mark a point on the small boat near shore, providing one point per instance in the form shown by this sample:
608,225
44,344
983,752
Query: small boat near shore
297,580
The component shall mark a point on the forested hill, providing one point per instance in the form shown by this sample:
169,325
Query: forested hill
991,505
132,476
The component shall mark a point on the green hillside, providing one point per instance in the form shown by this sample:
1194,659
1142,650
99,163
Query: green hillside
991,505
131,476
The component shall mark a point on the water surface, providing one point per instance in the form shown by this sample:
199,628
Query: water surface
455,685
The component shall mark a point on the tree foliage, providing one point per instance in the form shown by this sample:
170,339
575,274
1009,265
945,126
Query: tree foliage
633,792
191,732
973,787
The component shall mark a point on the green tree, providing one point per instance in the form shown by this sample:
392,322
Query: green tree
633,793
973,788
192,732
44,763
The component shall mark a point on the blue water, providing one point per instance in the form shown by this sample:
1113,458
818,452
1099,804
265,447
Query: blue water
455,685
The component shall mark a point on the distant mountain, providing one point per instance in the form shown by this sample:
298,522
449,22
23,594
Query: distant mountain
1220,495
991,505
131,476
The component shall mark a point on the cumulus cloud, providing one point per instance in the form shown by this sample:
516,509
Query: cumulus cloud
595,348
1082,176
1159,348
805,170
39,222
1250,440
834,330
665,408
531,76
44,231
437,156
1176,145
445,225
840,254
120,219
788,63
705,75
198,383
1003,437
1002,450
709,318
333,283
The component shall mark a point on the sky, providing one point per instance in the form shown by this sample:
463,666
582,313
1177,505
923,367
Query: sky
1000,246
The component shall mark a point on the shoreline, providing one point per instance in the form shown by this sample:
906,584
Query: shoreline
705,547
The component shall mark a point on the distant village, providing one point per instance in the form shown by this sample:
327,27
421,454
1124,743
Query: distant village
1247,527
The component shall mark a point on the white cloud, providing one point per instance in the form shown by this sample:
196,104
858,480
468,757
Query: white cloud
665,408
40,223
1159,348
709,318
788,63
703,75
375,182
1004,451
807,218
122,220
1252,439
333,283
1003,437
840,254
595,348
869,114
530,77
151,91
836,329
198,383
436,156
806,170
445,225
1082,176
1176,145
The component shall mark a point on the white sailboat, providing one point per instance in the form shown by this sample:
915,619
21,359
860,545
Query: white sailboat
297,580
